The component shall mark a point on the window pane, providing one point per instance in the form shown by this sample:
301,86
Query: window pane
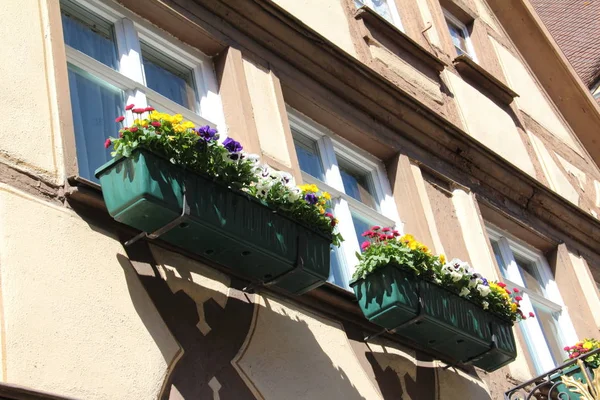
169,78
308,156
336,266
499,259
549,323
89,34
95,106
382,8
458,38
530,275
357,184
361,225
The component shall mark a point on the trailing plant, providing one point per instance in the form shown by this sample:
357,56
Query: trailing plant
200,150
385,246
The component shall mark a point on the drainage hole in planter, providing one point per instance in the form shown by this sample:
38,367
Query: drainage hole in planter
246,253
184,225
431,342
209,251
460,341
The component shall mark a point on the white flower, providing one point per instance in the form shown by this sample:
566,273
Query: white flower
295,194
253,158
262,171
483,290
287,179
464,292
485,305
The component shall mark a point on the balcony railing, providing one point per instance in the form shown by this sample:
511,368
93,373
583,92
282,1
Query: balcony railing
574,380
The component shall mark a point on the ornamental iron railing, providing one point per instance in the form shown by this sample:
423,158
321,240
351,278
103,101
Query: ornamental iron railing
574,380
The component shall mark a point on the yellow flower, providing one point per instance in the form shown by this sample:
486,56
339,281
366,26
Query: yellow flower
513,307
141,122
326,195
412,245
321,210
442,259
187,125
587,345
177,118
424,248
407,238
178,128
309,188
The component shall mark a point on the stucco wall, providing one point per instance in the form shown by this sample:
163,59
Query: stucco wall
76,322
28,92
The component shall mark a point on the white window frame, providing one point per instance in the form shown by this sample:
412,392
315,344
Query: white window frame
129,31
329,145
458,23
536,342
396,20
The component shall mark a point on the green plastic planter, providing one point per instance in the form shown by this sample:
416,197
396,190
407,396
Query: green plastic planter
572,371
435,318
232,228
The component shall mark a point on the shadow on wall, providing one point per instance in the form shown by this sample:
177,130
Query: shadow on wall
205,368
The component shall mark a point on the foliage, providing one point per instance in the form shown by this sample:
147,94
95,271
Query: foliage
385,246
585,346
200,150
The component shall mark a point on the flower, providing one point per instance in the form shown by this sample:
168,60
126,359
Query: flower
155,124
442,258
365,245
129,107
309,188
253,158
107,143
133,129
375,228
464,292
326,195
311,198
531,314
501,284
386,229
119,119
483,290
485,305
207,133
518,298
566,348
516,290
294,194
149,109
138,110
232,146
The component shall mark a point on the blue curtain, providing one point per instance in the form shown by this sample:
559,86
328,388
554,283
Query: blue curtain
166,83
95,106
81,37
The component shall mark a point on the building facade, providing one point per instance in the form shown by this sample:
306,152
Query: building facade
458,121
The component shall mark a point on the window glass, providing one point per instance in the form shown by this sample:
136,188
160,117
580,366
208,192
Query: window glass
89,34
361,225
308,156
549,323
357,184
499,260
381,7
95,105
336,268
459,38
168,77
530,275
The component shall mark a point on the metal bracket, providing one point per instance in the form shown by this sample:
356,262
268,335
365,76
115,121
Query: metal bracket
185,213
298,266
416,318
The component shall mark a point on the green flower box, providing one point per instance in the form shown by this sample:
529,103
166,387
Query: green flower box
435,318
227,226
559,387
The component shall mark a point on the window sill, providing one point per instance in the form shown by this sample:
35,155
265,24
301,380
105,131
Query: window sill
472,71
399,38
85,198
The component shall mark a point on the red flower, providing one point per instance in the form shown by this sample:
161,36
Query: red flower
395,233
501,284
133,129
375,228
576,354
382,236
531,315
386,229
518,298
155,124
120,134
390,237
139,110
329,215
107,143
119,119
129,107
367,234
516,290
365,245
149,109
567,348
333,222
507,291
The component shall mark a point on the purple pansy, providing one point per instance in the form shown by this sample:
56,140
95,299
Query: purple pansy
311,198
207,133
232,146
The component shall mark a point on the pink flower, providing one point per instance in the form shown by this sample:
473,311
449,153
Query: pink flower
107,143
382,236
149,109
375,228
119,119
518,298
576,354
507,291
365,245
139,110
501,284
567,348
366,234
155,124
133,129
516,290
390,237
531,315
129,107
386,229
395,233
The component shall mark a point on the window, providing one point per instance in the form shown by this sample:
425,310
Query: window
361,196
460,36
115,58
385,8
526,269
